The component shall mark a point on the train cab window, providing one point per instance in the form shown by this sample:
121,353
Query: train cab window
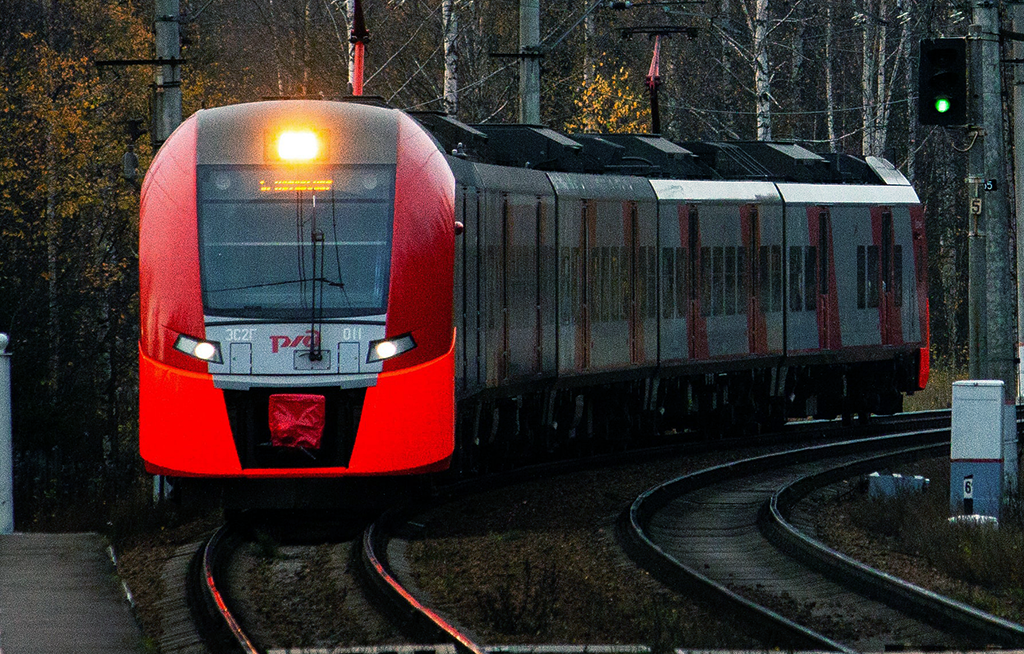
276,244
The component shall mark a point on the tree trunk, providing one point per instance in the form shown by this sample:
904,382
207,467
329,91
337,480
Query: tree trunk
762,73
450,21
830,94
869,78
589,62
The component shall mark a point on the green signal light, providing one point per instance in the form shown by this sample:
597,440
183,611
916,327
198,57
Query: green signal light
942,105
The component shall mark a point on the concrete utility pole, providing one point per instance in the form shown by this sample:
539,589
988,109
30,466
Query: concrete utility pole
993,297
529,62
167,103
6,450
1017,12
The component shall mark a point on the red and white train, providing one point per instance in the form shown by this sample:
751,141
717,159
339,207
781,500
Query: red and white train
311,306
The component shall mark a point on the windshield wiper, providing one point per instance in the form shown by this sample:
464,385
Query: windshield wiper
322,280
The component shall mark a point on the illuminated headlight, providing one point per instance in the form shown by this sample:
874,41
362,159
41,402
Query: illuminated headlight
194,347
389,347
298,145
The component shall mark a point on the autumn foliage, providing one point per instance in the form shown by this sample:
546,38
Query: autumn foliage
611,103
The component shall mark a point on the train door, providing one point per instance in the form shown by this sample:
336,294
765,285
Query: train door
757,329
919,247
699,270
521,302
823,286
890,276
576,219
547,264
721,280
466,295
641,297
493,336
588,266
674,342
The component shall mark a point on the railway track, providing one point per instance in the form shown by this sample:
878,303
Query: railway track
420,624
714,531
223,625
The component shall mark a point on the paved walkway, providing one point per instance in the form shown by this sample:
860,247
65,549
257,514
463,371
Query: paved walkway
58,593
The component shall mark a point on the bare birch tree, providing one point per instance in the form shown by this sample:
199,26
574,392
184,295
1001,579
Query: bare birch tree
450,25
758,24
761,30
880,69
830,93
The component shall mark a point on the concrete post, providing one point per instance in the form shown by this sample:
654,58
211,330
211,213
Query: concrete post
993,278
529,62
1017,12
167,101
6,458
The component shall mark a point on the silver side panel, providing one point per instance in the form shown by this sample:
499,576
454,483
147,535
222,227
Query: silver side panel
719,192
847,194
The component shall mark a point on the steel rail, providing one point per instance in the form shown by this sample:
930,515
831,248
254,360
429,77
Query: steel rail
895,592
426,620
219,626
677,574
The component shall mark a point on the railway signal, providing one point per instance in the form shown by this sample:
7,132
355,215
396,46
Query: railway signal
942,82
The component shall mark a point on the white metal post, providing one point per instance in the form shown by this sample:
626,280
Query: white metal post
6,459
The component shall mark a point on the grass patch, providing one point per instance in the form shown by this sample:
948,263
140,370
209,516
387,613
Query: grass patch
939,393
988,562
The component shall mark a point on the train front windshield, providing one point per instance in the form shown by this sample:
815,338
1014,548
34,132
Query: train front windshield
283,243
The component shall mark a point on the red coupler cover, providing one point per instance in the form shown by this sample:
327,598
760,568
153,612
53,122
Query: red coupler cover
296,420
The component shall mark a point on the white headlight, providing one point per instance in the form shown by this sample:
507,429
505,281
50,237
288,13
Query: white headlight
385,350
205,351
200,349
390,347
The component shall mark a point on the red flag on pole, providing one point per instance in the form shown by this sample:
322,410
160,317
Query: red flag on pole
654,73
358,36
653,82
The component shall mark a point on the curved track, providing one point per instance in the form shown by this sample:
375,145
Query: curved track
428,622
777,526
222,629
702,531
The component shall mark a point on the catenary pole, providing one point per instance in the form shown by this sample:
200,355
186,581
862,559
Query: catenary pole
1017,12
993,297
529,62
167,101
6,450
